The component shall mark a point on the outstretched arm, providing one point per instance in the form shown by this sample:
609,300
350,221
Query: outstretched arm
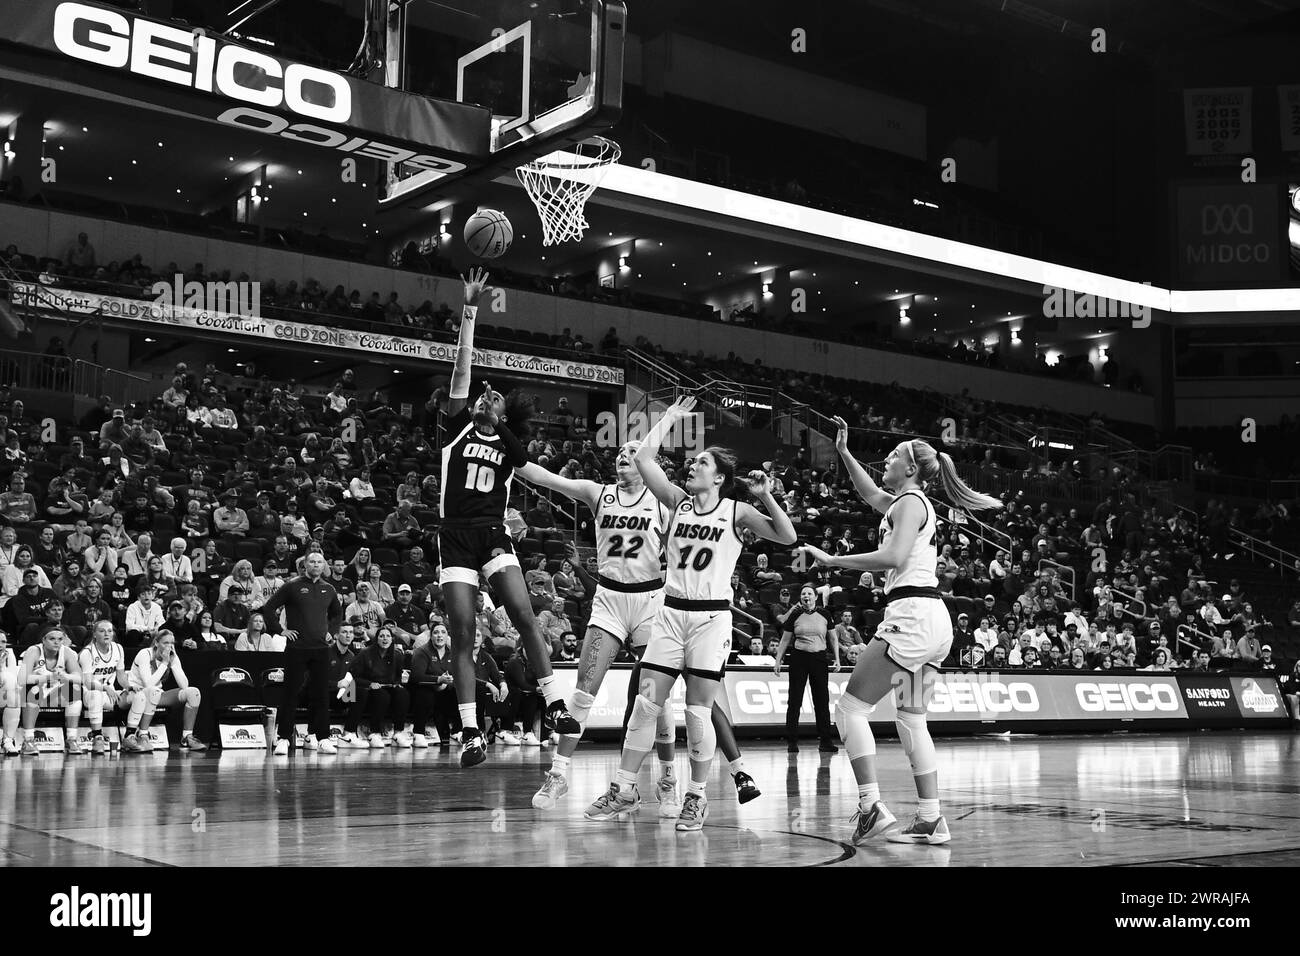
867,489
907,525
587,492
773,526
460,375
655,479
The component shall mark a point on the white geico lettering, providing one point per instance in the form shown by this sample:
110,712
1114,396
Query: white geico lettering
163,52
956,696
1126,698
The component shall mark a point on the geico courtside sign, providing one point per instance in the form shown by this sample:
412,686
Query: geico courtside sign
294,101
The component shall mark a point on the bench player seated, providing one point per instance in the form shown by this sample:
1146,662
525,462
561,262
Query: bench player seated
104,682
50,675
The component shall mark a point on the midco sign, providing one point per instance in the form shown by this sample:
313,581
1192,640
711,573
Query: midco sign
256,91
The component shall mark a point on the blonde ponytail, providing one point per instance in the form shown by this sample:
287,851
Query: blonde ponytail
958,492
939,465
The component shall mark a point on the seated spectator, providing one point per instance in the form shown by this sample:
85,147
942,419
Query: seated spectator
568,649
540,515
432,697
230,616
416,571
1160,661
136,559
1249,650
564,583
17,505
181,627
360,488
761,575
206,637
524,701
553,622
380,590
845,633
230,519
404,617
741,596
242,575
401,530
176,567
490,685
144,617
365,616
254,637
16,573
85,609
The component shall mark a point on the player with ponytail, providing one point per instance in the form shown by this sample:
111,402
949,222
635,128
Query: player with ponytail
914,636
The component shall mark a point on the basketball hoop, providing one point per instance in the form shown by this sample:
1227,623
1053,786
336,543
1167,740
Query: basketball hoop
560,184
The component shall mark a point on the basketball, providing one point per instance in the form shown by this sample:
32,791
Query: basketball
488,234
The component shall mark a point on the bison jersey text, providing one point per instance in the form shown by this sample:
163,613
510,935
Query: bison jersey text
702,551
629,537
102,665
917,569
476,474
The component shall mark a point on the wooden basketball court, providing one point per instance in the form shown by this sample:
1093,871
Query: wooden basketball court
1206,799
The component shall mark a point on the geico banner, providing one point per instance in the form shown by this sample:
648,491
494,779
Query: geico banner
759,698
181,318
210,77
1229,234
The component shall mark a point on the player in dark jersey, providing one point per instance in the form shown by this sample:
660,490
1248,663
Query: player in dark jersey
479,456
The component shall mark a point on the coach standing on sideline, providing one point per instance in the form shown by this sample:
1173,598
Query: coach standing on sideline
806,626
312,613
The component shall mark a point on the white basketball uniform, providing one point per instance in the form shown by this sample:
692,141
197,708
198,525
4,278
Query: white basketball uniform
629,551
8,677
97,668
916,625
66,659
693,632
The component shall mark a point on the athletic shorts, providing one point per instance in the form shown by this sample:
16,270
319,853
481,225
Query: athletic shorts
918,631
628,617
694,642
464,552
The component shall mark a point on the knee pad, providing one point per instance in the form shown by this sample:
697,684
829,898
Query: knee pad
641,725
73,709
914,734
701,738
95,705
853,718
665,727
138,704
580,706
191,696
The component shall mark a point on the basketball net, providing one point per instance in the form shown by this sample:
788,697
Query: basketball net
560,184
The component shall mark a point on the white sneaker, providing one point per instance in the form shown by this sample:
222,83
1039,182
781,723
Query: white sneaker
456,737
11,748
309,743
300,741
354,741
419,741
388,737
509,737
404,740
376,741
670,805
530,740
326,747
282,747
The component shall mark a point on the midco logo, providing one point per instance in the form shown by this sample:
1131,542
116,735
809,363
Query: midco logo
1126,698
209,65
1228,235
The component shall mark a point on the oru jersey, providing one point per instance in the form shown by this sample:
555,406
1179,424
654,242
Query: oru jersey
629,537
476,473
702,551
917,568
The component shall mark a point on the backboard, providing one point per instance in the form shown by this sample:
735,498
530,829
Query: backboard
549,71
